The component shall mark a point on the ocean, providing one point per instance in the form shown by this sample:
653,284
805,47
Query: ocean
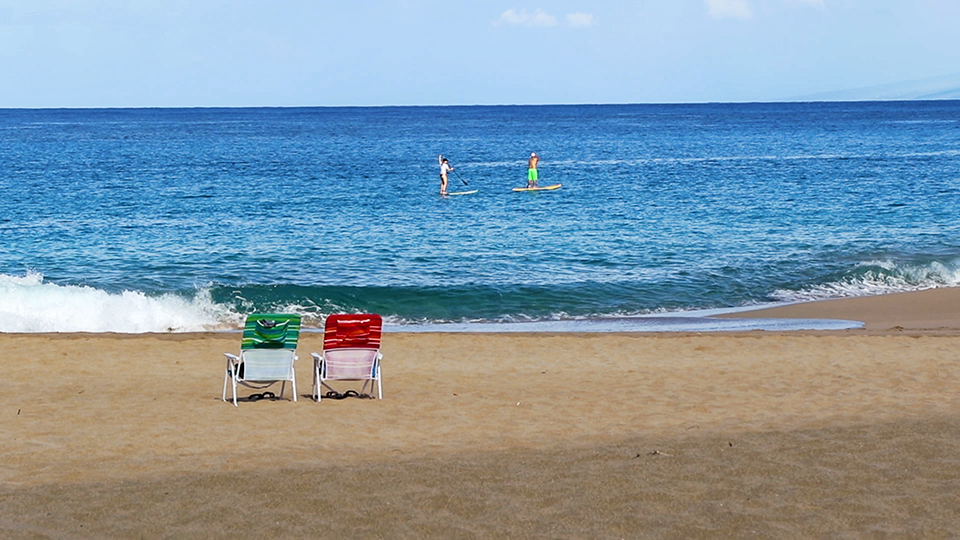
174,220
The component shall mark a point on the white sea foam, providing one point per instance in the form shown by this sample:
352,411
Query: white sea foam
27,304
880,277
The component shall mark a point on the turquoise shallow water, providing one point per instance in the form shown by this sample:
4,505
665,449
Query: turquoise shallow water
185,219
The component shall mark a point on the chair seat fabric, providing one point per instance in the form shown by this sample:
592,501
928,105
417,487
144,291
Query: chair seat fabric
350,364
267,365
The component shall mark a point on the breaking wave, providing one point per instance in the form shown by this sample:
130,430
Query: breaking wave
28,304
879,277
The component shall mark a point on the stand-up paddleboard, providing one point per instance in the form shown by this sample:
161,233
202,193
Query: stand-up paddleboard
544,188
471,192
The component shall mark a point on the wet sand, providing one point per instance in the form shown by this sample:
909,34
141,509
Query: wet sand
845,434
930,311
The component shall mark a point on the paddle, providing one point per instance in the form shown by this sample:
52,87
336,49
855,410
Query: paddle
461,179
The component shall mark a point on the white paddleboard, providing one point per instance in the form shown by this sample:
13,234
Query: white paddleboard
471,192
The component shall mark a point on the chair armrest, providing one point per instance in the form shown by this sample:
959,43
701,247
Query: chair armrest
232,360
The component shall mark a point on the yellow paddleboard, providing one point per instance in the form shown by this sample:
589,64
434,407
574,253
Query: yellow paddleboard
544,188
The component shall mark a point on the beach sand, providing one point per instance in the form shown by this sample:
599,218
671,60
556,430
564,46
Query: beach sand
843,434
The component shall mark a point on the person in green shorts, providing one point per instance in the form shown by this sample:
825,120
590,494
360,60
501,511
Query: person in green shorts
532,170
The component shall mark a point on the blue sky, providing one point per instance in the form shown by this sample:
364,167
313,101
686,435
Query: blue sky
180,53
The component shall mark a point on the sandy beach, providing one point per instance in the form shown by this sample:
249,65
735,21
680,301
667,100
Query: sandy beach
842,434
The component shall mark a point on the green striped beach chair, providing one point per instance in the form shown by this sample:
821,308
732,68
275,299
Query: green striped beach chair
267,354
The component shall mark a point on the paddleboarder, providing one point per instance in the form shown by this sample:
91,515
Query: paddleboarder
444,169
532,170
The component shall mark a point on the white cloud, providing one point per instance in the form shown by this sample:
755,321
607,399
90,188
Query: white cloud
521,17
814,3
729,9
578,19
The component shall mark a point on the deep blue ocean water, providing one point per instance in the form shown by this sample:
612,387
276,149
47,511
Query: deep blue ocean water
138,220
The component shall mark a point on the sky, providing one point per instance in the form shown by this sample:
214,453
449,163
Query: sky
238,53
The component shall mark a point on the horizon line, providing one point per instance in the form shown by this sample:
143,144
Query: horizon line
613,104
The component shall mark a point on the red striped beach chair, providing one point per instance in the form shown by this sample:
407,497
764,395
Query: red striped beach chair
351,352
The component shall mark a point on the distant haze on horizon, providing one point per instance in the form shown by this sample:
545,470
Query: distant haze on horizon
947,87
215,53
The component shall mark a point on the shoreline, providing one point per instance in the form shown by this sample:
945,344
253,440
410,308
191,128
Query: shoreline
930,311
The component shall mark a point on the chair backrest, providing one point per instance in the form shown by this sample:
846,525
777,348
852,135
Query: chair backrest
344,331
271,331
268,364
